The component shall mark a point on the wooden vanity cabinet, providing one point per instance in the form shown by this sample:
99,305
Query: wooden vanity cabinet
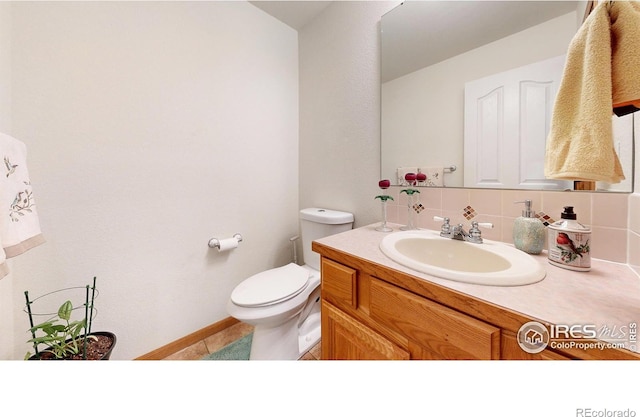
343,336
347,338
373,312
364,317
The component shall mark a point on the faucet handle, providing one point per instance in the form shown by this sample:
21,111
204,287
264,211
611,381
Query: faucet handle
446,227
475,228
444,220
483,225
475,235
474,232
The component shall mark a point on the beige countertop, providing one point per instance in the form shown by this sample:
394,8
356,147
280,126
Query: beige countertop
608,296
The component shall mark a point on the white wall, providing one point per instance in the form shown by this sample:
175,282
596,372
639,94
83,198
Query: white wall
152,127
6,288
5,67
340,109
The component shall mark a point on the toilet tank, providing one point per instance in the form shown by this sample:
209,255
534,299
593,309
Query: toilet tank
316,223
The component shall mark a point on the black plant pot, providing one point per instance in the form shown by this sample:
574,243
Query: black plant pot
114,339
47,355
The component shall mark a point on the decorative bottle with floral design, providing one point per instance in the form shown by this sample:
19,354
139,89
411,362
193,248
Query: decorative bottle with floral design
570,242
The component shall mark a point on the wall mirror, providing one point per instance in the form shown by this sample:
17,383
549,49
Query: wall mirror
440,57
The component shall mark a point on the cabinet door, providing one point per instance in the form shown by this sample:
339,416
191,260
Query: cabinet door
441,332
511,350
343,337
339,283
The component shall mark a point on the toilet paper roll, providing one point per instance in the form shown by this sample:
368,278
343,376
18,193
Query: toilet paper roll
228,244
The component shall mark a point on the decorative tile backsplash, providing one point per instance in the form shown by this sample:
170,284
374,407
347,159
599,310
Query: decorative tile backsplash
615,233
545,218
468,212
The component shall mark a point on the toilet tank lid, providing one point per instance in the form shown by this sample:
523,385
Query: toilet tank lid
326,216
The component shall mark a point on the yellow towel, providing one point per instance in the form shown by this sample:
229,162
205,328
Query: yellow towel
625,60
580,142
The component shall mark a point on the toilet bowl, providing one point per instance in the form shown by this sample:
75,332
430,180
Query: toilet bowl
280,330
283,304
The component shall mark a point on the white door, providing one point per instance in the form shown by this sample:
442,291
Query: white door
506,123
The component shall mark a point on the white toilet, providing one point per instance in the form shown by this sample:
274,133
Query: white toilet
283,304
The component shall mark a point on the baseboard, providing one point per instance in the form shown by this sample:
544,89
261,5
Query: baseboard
186,341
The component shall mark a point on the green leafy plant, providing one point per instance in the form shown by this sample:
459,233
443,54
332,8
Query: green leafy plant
61,335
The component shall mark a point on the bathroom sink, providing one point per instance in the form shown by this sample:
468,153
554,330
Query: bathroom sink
489,263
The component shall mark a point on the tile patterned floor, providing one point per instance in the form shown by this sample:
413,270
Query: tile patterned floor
221,339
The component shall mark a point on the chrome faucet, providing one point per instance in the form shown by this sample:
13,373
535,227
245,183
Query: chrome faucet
474,235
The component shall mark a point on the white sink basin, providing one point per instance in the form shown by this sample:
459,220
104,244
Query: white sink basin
488,263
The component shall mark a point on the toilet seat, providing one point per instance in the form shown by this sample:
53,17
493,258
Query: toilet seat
271,287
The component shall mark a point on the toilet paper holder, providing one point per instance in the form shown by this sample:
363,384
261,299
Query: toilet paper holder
214,243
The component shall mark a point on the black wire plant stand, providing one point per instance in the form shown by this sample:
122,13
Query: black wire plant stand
90,312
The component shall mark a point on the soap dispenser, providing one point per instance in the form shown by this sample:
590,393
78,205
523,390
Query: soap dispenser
528,231
570,242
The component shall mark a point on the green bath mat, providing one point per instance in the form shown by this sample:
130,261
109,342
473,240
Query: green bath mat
235,351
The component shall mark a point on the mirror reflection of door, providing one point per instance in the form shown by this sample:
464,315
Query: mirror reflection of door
506,123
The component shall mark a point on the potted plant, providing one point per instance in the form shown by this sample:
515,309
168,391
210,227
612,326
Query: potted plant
66,338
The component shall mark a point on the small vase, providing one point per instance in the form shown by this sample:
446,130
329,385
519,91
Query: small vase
411,213
383,226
